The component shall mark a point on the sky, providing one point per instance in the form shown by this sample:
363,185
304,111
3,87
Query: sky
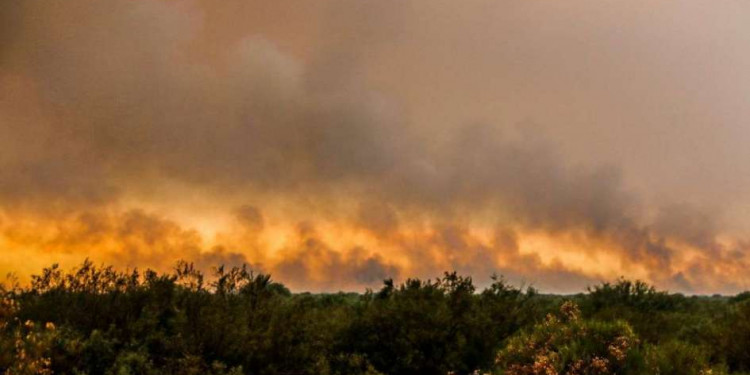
336,143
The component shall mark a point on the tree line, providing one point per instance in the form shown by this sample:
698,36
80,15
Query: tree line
100,320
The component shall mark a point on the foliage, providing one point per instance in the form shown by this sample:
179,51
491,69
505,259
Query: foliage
678,358
99,320
567,344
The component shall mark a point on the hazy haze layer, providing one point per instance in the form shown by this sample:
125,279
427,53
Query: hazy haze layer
336,143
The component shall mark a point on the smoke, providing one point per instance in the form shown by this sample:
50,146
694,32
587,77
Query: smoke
360,141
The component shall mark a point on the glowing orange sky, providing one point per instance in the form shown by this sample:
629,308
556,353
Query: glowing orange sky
336,143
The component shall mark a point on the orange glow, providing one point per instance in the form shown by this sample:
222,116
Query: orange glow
324,249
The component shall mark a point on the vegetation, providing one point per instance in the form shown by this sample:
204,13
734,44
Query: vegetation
97,320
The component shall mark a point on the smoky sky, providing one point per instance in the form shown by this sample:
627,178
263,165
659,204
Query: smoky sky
389,138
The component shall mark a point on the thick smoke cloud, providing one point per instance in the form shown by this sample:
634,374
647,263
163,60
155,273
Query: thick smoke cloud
360,141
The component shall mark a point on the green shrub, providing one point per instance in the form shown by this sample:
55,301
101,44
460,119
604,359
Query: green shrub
678,358
566,344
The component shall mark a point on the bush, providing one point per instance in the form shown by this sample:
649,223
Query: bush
678,358
566,344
